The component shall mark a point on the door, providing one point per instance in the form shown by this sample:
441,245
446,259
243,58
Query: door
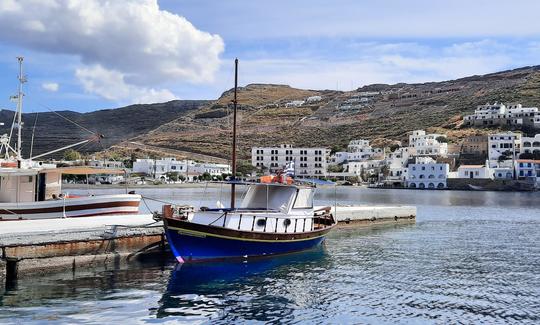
41,187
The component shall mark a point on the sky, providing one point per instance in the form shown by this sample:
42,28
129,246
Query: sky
99,54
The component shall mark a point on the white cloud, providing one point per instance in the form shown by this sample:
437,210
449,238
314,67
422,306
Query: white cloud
111,85
50,86
368,18
132,42
384,63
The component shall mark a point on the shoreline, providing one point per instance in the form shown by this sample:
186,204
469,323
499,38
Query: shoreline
202,185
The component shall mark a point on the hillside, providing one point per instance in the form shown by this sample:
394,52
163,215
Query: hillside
53,131
202,129
378,112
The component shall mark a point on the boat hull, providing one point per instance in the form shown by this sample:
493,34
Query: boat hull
194,242
71,207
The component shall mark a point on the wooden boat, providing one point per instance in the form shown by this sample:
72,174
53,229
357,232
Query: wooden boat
275,217
272,219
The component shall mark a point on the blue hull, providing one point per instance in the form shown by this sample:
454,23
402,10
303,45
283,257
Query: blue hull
195,248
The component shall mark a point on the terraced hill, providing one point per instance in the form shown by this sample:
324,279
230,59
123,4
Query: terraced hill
381,113
195,129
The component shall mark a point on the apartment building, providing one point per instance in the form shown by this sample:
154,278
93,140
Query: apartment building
308,162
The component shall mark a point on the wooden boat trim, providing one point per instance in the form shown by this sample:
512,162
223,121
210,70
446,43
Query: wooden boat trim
66,207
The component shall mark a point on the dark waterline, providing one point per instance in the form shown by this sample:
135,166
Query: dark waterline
472,257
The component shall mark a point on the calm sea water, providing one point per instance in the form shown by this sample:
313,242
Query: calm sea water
471,257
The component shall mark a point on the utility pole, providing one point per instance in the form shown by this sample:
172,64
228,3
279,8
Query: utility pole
233,186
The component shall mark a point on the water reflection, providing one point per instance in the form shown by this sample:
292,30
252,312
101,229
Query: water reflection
258,289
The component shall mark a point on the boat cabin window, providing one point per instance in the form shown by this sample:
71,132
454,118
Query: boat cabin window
304,199
279,197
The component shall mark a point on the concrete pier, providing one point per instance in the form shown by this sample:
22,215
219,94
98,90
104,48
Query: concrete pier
358,215
39,246
42,246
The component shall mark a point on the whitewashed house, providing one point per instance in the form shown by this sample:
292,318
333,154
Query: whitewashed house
158,168
397,163
513,114
503,172
103,163
507,144
313,99
427,144
530,144
427,174
528,169
295,103
357,150
367,167
475,172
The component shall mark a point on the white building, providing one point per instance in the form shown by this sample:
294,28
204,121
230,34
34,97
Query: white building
295,103
367,167
530,144
314,99
357,150
427,144
475,171
508,144
105,163
158,168
501,114
426,173
503,172
397,163
528,169
308,162
210,168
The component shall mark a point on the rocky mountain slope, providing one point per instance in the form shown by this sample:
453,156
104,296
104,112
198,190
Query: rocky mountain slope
53,130
195,129
381,113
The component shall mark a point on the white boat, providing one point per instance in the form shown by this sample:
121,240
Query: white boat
36,193
30,189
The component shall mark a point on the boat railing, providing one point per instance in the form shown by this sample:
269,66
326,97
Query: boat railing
318,222
322,218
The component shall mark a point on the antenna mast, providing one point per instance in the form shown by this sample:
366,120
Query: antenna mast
233,187
20,95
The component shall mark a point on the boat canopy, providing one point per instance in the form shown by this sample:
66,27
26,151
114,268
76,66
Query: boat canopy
277,198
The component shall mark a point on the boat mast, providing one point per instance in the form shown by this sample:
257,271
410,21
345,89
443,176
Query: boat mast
233,186
20,95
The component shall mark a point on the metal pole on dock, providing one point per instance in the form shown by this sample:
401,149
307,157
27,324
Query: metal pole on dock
20,95
233,187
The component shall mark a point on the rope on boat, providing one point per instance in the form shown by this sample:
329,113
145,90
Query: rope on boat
157,200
